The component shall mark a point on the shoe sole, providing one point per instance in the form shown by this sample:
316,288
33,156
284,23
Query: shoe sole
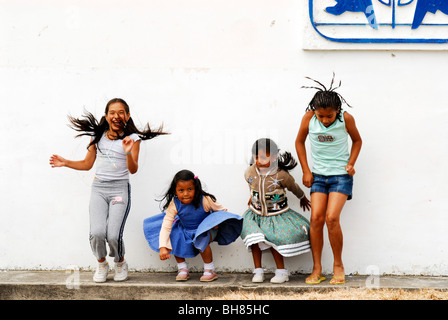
280,281
182,279
315,282
208,280
336,282
119,280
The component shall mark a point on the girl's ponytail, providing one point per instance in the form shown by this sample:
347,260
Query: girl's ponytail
286,161
89,126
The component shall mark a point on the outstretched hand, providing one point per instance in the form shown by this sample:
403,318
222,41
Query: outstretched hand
128,143
305,204
57,161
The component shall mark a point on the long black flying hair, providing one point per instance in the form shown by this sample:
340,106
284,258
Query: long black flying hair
89,126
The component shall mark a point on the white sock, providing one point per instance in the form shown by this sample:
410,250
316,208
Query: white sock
209,266
258,271
182,265
281,272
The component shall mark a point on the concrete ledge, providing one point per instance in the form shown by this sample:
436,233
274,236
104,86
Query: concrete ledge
60,285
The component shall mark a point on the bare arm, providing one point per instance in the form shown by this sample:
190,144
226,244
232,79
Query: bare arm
301,149
132,158
356,142
86,164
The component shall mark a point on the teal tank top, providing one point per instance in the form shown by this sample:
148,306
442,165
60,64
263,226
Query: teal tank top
329,147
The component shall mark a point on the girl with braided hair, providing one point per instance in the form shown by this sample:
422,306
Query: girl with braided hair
331,177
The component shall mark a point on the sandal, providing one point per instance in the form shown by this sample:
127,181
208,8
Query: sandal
314,279
209,275
338,280
183,275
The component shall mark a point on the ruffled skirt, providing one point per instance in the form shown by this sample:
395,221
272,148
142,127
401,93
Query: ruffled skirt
287,233
187,243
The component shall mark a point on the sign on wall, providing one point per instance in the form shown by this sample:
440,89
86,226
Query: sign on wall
418,22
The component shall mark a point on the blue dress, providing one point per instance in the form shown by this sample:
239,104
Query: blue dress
190,233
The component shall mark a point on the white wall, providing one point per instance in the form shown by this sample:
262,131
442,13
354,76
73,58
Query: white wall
218,74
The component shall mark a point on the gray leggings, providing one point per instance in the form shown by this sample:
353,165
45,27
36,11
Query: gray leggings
110,202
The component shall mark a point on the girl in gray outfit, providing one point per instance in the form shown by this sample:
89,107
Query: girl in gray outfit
115,144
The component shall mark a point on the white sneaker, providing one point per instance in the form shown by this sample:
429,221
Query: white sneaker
258,275
281,275
121,271
101,272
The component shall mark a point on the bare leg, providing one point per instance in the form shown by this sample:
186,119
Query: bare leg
179,259
256,255
207,255
336,202
209,267
278,258
317,221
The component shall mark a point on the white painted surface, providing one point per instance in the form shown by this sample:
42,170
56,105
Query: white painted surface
218,74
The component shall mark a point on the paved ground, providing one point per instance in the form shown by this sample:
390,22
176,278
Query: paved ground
61,285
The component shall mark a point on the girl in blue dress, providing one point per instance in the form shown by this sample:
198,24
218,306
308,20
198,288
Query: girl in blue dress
192,219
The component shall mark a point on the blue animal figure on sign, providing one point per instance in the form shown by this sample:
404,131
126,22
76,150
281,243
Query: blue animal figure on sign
393,4
364,6
425,6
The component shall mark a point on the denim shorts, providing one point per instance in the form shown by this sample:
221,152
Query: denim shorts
326,184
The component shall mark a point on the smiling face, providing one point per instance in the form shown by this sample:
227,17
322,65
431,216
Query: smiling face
326,116
117,117
185,191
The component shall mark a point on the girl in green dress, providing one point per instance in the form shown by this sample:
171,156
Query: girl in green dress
269,223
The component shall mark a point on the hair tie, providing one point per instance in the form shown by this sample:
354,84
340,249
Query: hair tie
195,177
